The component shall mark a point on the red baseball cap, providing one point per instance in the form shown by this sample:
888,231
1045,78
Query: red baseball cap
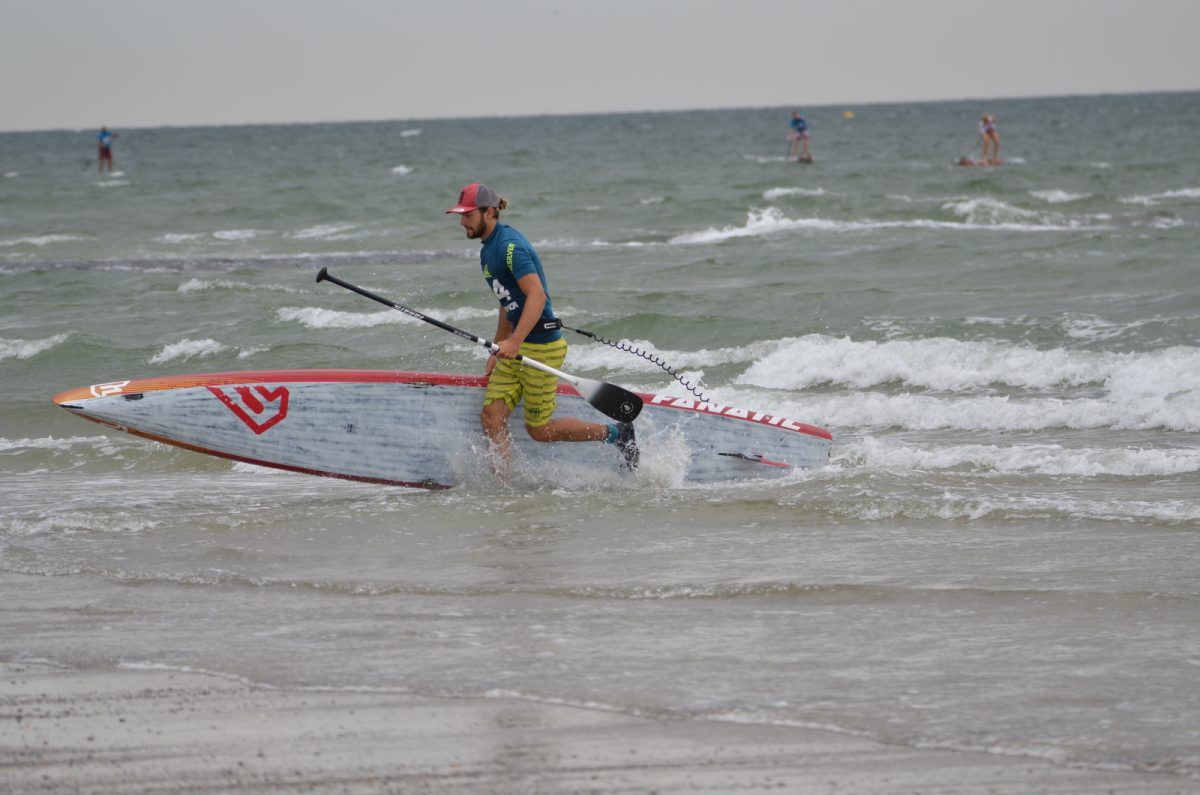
473,197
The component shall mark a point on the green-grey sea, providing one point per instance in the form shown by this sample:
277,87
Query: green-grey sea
1002,555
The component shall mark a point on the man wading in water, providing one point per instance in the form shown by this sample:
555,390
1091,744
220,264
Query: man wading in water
526,327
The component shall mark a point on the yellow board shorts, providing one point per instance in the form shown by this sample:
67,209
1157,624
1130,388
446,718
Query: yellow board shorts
511,381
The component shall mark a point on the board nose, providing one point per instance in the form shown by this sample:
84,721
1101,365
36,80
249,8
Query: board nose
71,397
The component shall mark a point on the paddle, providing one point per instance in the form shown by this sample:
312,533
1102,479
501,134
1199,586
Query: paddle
610,400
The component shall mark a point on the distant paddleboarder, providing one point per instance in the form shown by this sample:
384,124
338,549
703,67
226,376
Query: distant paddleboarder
104,153
798,135
991,139
526,327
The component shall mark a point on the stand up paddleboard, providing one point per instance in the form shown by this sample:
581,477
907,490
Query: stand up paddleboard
421,429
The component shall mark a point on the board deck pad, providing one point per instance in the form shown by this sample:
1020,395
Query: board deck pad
421,429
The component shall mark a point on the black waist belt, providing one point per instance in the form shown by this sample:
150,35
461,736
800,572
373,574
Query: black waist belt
550,325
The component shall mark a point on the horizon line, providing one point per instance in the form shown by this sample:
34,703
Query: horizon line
382,120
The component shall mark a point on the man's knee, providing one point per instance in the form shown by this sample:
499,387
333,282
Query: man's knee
494,415
541,433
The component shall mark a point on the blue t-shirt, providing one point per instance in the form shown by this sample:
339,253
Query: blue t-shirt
105,138
799,125
506,257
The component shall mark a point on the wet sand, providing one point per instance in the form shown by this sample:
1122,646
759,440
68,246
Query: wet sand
159,731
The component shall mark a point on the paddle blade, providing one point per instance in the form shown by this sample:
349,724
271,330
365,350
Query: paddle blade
609,399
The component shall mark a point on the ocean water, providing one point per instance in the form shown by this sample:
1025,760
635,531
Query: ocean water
1001,556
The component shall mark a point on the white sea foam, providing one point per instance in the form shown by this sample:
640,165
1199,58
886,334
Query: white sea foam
944,363
652,200
778,193
325,232
11,174
254,469
1155,389
200,285
981,214
1076,326
235,234
572,244
26,349
51,443
933,363
194,285
401,169
186,349
758,223
957,507
767,158
66,524
1058,196
1090,327
989,211
864,410
1043,459
179,237
321,318
409,133
39,240
1156,198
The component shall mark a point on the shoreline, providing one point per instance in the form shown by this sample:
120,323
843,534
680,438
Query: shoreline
135,731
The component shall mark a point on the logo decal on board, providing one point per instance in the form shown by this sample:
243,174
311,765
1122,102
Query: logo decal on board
270,406
111,388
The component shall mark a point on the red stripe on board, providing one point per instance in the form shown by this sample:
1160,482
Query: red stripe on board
156,384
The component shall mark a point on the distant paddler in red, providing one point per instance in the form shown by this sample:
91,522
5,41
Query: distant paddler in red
104,155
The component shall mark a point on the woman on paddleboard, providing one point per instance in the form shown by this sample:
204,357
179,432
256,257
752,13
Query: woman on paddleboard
991,139
526,327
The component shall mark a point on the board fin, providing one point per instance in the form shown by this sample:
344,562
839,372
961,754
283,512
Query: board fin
757,458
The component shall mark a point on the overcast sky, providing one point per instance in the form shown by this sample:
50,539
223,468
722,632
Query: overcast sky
127,63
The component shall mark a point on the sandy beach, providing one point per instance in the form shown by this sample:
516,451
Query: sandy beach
160,731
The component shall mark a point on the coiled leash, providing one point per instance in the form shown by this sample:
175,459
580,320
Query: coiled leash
650,357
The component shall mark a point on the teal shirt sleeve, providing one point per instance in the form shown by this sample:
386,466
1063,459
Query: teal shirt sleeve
519,260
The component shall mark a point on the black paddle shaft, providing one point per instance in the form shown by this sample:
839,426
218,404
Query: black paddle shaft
324,276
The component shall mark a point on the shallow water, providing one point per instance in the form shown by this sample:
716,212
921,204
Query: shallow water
1001,556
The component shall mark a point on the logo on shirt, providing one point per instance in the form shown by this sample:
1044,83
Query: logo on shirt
503,296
